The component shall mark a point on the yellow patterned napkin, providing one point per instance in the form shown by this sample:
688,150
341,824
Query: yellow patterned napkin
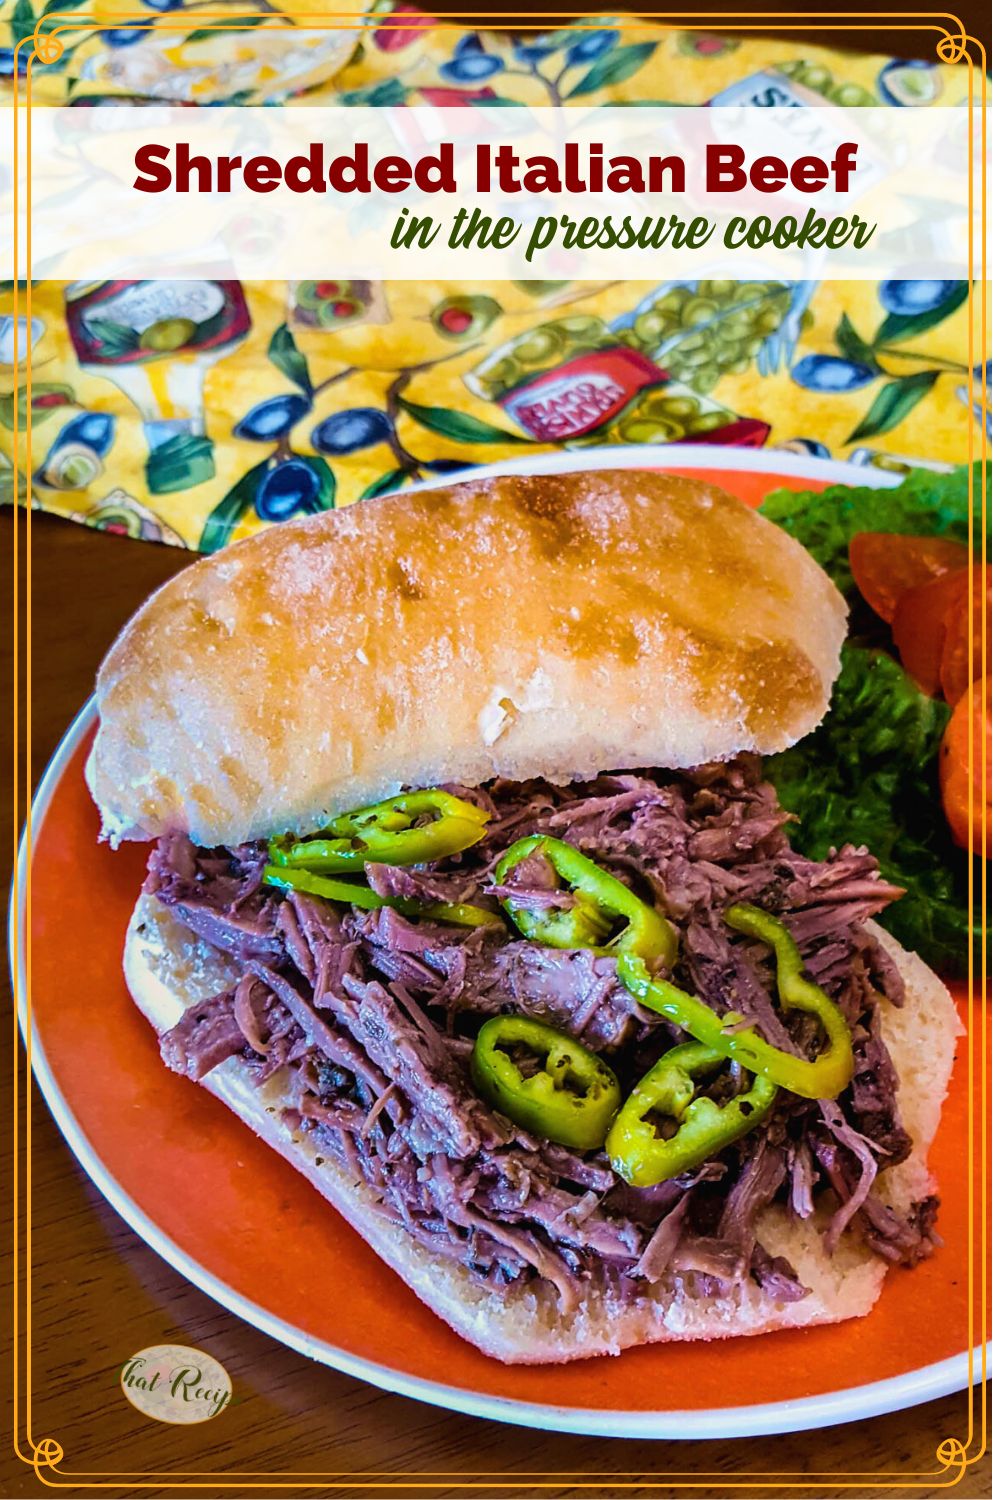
196,412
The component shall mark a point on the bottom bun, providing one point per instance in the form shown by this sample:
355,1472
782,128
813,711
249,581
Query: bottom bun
168,969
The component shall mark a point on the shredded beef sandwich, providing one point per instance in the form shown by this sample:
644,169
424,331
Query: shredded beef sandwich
469,894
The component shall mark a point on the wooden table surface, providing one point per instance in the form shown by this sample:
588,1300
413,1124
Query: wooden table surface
99,1293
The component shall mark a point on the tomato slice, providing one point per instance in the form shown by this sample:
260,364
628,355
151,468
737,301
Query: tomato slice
886,565
919,626
961,791
962,651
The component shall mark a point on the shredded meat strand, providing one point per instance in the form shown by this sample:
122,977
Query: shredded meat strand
372,1015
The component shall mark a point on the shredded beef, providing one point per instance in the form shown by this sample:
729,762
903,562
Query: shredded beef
775,1276
205,1036
372,1016
217,893
445,1116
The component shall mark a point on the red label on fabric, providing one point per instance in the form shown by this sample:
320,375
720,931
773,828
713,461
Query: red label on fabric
579,395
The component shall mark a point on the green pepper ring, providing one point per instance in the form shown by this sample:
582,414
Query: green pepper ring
643,1158
647,934
824,1078
578,1117
384,834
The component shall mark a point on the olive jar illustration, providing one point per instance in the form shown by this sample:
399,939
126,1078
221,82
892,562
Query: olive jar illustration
574,380
156,341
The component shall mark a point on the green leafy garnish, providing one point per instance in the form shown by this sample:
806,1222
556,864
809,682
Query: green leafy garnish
868,775
925,504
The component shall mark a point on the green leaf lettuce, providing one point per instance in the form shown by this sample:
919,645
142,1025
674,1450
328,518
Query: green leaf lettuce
868,775
927,503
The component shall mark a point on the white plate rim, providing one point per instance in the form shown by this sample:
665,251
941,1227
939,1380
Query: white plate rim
944,1377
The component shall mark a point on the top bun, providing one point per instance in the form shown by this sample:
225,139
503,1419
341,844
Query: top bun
551,625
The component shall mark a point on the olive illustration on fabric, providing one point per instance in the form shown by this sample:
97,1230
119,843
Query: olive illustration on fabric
168,334
156,341
705,44
47,397
272,419
811,447
289,487
667,413
537,349
122,36
330,302
699,331
540,288
821,81
541,344
335,306
11,59
448,465
650,430
350,431
537,50
909,81
590,47
909,297
94,428
74,459
828,372
120,513
471,63
464,317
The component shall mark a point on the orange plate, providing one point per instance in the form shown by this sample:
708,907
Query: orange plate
241,1222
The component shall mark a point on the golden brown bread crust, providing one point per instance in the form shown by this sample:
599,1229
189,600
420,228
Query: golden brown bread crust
531,626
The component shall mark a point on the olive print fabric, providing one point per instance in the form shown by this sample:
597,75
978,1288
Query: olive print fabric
196,412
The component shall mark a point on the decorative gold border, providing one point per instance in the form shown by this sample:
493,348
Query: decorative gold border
954,1456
